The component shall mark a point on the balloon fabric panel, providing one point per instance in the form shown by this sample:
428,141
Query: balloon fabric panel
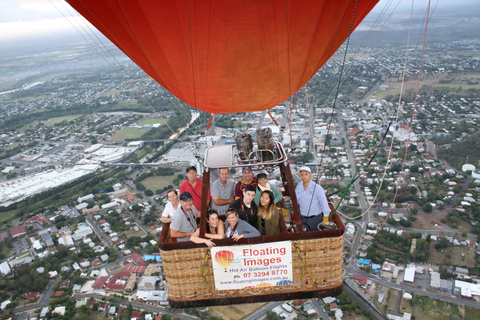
224,56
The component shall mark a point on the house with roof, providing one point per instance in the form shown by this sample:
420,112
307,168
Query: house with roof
30,295
361,280
135,257
147,283
135,269
18,231
39,218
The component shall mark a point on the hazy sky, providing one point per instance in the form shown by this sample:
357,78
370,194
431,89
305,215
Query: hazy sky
20,18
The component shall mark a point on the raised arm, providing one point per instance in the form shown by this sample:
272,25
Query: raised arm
196,238
178,234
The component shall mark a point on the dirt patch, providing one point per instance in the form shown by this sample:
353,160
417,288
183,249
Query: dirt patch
427,221
133,233
393,297
433,221
426,308
236,311
455,256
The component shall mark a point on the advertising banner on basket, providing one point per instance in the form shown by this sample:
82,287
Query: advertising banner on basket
252,266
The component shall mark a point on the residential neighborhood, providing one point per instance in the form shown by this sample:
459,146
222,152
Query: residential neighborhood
87,158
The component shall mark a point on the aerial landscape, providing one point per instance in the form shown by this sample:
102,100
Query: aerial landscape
91,147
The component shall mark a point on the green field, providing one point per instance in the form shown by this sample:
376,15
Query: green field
50,122
7,216
7,85
129,133
151,121
158,182
113,92
53,121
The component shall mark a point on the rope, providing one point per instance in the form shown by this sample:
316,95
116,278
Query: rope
303,263
339,82
398,111
204,268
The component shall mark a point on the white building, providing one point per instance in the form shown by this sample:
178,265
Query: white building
5,268
409,275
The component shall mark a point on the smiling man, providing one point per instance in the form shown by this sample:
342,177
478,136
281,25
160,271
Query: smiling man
247,179
193,185
222,191
311,199
184,220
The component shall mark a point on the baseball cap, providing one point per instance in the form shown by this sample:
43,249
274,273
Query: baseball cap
186,196
247,169
305,168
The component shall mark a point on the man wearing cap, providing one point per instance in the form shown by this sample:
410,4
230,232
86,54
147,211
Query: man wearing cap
311,200
246,208
222,191
184,220
247,179
194,186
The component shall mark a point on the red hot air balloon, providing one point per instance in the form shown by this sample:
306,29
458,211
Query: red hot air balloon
224,258
227,56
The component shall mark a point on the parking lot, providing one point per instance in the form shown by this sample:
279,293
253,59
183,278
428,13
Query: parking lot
20,245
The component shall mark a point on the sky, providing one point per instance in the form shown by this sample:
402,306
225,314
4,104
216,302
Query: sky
22,18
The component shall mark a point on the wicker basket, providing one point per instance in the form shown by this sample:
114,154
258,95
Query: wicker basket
316,266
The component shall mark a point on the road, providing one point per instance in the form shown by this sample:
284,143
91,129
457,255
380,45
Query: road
364,304
261,312
48,291
359,225
353,268
321,312
135,304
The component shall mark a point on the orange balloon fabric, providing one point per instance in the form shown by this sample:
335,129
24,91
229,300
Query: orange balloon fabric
227,56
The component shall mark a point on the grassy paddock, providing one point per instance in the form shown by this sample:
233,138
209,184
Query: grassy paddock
133,233
453,256
151,121
236,311
7,85
50,122
158,182
129,133
7,216
53,121
112,92
426,308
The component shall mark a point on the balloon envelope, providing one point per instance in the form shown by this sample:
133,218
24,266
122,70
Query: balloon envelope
224,258
227,56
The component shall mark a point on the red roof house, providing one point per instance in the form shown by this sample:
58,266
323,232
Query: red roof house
31,295
18,231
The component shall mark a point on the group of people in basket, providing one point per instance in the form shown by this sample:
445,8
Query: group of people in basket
251,207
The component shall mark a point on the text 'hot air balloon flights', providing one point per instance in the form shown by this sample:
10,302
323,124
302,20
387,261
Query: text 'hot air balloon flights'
252,266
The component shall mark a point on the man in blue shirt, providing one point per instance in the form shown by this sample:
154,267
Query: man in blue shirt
311,200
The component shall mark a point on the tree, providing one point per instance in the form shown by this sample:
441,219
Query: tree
427,208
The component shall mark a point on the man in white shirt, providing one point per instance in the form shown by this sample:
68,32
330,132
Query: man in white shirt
312,200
